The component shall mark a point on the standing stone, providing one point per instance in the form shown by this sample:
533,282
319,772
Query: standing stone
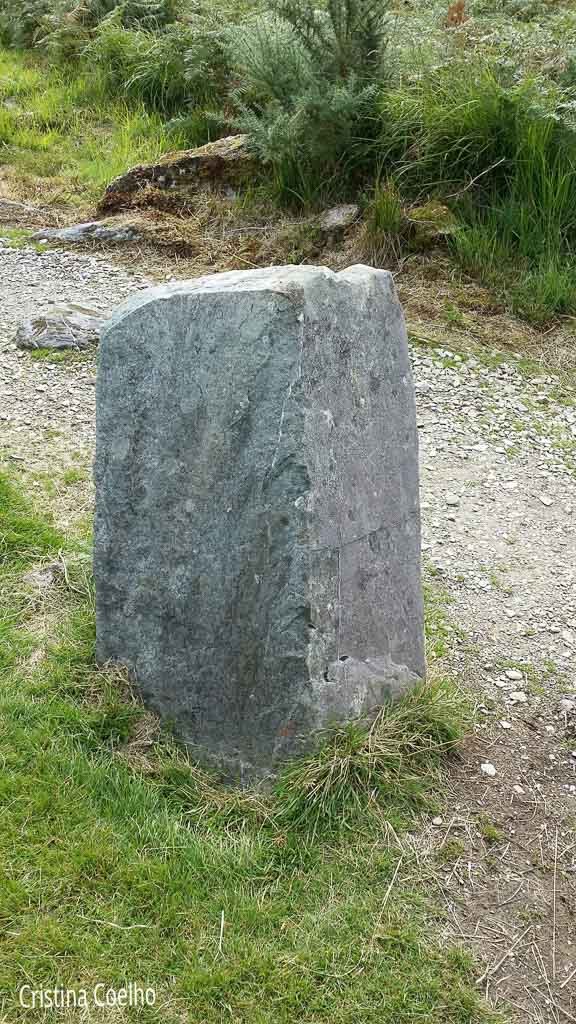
257,552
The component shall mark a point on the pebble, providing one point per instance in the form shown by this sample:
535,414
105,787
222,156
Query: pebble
513,673
518,697
488,769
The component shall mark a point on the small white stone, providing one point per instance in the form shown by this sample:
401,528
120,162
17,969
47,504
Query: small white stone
567,706
488,769
452,500
514,673
437,821
505,725
518,697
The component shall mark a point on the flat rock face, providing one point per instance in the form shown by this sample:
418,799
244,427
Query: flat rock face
257,551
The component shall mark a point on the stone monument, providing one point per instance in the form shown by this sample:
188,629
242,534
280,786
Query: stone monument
257,546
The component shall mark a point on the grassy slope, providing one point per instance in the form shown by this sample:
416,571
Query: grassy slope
64,129
118,864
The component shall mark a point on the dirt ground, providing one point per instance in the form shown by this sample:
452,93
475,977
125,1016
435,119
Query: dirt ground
498,458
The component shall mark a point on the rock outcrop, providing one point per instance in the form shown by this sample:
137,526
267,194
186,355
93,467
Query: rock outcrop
90,231
225,164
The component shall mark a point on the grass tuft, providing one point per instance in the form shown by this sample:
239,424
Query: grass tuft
398,759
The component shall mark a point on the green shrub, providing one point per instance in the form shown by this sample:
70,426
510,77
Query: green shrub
343,41
167,70
64,26
144,66
21,21
308,86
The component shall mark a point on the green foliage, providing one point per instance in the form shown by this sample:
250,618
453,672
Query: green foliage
344,40
335,96
147,67
505,157
64,25
319,148
21,21
308,85
385,226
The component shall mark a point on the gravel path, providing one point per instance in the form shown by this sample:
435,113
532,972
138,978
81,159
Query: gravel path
47,409
499,505
498,451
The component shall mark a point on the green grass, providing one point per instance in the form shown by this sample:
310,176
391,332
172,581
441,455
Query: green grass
479,121
502,151
59,125
121,863
51,355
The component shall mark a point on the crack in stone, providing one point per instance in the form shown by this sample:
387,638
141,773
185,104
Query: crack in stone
288,394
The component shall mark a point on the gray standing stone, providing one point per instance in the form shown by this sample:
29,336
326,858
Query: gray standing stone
257,550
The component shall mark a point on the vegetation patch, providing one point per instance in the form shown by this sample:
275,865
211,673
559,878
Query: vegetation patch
340,100
123,860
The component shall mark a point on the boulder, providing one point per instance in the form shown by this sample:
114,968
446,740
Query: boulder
91,231
226,164
335,222
430,224
257,539
69,326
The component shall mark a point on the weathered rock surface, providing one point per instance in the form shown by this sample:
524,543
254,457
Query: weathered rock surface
225,164
334,223
431,224
91,231
69,326
257,529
